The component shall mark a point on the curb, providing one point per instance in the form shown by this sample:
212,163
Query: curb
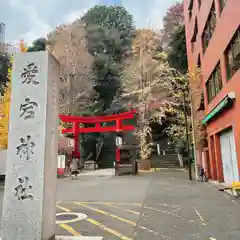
220,187
162,169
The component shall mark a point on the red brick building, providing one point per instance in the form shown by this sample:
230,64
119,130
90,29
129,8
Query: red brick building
213,44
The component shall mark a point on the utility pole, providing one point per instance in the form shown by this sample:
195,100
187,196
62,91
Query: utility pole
70,78
194,138
69,84
187,139
193,116
73,99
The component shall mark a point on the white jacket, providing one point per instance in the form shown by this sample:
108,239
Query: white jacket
74,164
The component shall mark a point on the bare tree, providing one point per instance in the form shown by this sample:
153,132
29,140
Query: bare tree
67,43
157,91
145,83
197,100
172,20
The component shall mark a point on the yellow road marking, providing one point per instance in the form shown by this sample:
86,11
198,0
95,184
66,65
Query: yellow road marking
94,222
66,226
63,208
143,171
99,203
117,217
124,209
107,229
137,204
107,214
69,229
150,170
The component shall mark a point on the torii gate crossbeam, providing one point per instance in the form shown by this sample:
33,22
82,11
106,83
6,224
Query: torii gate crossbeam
97,121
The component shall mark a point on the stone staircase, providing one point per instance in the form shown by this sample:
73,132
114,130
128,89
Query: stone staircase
164,161
108,152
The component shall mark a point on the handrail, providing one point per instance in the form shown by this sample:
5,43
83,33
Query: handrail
99,150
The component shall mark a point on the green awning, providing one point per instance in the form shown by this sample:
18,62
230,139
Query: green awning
226,102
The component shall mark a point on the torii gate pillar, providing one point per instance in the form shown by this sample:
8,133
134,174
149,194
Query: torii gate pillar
76,129
76,139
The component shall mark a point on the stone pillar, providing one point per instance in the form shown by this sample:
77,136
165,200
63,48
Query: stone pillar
29,206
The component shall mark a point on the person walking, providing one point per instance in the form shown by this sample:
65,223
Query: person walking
74,167
68,168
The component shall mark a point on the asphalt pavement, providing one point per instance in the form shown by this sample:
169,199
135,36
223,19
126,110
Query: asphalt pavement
163,205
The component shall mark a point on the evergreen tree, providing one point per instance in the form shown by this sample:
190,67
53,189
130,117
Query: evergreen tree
110,31
5,64
109,34
177,55
172,20
38,45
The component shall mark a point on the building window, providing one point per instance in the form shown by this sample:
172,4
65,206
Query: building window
201,106
199,3
209,28
232,55
199,65
222,4
190,8
214,83
195,33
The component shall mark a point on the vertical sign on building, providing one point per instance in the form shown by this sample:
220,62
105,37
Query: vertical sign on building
30,188
2,37
2,32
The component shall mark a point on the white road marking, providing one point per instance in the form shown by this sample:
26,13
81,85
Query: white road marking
77,238
175,207
200,216
163,211
79,217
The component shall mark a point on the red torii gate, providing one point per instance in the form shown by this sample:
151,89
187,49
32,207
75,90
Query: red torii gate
76,129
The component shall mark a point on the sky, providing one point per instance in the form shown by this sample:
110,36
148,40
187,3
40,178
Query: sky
30,19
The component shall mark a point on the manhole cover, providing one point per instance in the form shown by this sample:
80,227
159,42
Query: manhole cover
69,217
66,217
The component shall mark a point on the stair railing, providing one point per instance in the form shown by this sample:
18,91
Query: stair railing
99,149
